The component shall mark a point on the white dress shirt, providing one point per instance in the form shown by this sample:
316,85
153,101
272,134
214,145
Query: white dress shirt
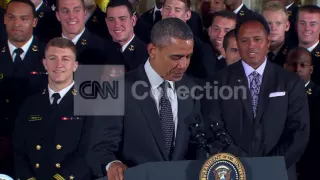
37,8
307,84
154,12
287,7
76,38
248,70
25,49
310,49
238,9
62,92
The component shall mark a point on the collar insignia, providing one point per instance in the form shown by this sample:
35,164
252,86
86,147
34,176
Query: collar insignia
94,19
74,92
309,91
289,13
241,13
1,75
34,48
44,91
317,54
3,49
41,14
83,41
131,48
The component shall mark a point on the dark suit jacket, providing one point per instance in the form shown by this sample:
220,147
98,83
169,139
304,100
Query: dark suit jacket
92,49
136,137
315,77
281,126
135,54
45,145
16,83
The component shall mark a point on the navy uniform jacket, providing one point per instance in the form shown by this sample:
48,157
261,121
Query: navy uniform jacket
244,13
142,29
291,35
315,77
96,24
51,143
135,54
16,83
92,49
281,56
281,126
43,22
3,34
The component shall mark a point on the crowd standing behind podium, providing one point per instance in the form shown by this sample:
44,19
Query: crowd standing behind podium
274,54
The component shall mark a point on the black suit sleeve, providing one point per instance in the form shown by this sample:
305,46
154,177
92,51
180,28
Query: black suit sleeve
77,164
23,169
106,139
295,135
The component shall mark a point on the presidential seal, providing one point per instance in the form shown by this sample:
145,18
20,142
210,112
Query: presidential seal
222,166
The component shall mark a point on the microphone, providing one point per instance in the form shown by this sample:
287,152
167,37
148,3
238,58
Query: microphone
199,137
221,135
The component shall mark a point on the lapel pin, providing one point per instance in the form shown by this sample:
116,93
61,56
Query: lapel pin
74,92
3,49
309,91
44,91
41,14
131,48
317,54
83,41
94,19
34,48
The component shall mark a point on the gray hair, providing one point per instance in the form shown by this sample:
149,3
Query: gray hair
168,28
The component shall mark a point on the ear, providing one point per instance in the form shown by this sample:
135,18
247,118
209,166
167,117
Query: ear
85,13
134,20
44,62
35,21
75,66
188,15
57,15
311,69
151,50
287,26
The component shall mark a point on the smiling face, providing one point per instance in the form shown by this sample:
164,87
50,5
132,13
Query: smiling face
253,43
177,9
19,22
60,64
71,15
120,24
308,28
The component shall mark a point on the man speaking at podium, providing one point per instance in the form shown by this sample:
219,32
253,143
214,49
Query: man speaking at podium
270,117
154,127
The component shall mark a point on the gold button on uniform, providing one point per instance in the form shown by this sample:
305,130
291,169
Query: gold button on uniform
58,165
38,147
37,165
58,147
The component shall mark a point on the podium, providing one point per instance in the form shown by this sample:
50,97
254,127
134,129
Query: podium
259,168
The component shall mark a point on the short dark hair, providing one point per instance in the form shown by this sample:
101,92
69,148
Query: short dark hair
117,3
28,2
225,14
309,9
229,35
295,52
58,4
61,42
186,2
254,17
168,28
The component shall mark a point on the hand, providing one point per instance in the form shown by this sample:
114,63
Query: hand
116,171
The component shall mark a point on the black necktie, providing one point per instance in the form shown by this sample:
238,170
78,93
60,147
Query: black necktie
157,17
166,118
56,97
17,59
270,56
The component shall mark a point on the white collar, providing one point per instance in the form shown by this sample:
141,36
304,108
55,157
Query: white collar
25,47
123,48
39,6
248,69
156,9
62,92
76,38
307,84
238,9
287,7
310,49
154,78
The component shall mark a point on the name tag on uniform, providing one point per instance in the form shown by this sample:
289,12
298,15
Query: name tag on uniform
35,118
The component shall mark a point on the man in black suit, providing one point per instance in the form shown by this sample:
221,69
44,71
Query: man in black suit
156,127
202,64
153,15
21,70
269,114
49,141
239,9
91,49
276,16
299,60
308,29
120,22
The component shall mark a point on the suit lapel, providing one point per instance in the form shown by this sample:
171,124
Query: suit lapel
184,108
240,80
150,111
268,84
